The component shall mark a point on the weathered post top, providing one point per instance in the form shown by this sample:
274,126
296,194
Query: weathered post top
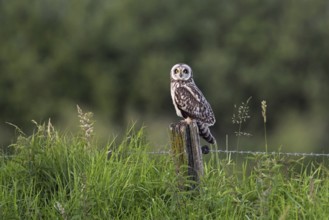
185,145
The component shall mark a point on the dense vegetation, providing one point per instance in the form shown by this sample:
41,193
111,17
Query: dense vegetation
61,176
114,57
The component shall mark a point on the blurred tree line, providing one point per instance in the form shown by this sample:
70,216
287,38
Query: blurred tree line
114,57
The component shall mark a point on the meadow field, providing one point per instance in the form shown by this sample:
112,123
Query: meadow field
57,175
114,59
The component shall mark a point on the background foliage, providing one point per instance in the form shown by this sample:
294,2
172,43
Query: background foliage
114,57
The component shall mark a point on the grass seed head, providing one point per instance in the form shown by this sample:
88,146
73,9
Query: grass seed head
86,124
264,106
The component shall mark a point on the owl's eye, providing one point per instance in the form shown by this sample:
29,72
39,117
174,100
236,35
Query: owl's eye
176,71
185,71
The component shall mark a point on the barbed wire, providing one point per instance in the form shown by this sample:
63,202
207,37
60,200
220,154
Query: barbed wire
295,154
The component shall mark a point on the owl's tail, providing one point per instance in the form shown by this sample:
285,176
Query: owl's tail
204,132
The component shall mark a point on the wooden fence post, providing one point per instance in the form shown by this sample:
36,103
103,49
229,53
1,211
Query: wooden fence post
185,145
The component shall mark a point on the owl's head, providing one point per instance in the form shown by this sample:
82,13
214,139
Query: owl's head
181,71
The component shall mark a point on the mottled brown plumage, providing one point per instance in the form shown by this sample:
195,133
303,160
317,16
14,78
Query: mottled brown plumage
189,101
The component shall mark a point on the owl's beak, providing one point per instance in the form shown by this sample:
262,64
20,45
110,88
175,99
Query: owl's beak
180,74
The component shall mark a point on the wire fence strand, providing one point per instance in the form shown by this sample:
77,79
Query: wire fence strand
294,154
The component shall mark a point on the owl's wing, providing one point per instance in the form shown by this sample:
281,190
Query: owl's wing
193,104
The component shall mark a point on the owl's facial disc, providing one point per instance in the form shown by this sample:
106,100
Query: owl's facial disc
181,72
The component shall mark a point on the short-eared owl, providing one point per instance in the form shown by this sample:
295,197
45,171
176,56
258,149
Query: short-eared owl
189,101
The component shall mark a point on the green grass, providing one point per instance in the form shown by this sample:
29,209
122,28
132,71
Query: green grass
60,176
